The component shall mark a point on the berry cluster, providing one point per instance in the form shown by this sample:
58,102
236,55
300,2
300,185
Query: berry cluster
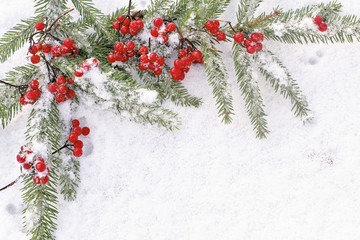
160,31
252,44
27,160
31,95
318,20
65,49
34,49
187,56
62,92
86,66
127,26
213,26
76,132
122,52
151,61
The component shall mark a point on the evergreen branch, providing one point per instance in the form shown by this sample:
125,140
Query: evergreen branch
157,8
250,90
92,16
16,37
263,19
13,182
279,77
246,10
218,80
69,177
50,8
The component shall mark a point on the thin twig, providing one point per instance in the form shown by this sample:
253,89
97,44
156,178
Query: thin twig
214,49
264,19
20,88
58,18
180,33
13,182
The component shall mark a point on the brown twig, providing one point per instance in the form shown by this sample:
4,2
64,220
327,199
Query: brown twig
20,88
58,18
264,19
180,33
13,182
214,49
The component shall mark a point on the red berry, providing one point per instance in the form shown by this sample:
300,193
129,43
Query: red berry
130,53
33,49
44,180
27,165
142,66
37,93
239,37
247,42
78,144
61,80
119,47
323,27
153,57
209,25
22,100
261,37
144,58
134,25
125,59
40,159
46,48
216,23
182,53
40,26
124,29
77,130
85,131
255,37
214,30
79,72
158,72
77,152
64,49
73,137
36,180
68,42
59,97
20,159
34,84
35,59
115,25
30,95
221,36
151,66
70,94
179,64
140,24
70,81
143,50
318,19
75,123
95,62
118,56
63,89
250,49
52,87
55,50
126,22
39,46
165,38
170,27
158,22
175,72
133,32
40,166
130,45
85,65
196,55
161,61
111,58
154,32
258,47
120,18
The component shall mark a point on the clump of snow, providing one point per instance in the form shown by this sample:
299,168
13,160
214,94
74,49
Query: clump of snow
147,96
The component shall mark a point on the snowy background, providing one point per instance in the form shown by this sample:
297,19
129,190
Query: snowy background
210,181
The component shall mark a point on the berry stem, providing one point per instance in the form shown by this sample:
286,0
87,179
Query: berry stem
13,182
21,88
58,18
149,44
66,145
214,49
129,8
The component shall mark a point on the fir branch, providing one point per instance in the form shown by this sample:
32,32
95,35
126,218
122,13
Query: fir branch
69,177
157,8
250,90
92,16
50,9
246,10
279,77
218,80
16,37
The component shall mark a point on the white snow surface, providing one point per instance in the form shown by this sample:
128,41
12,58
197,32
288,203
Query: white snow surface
207,180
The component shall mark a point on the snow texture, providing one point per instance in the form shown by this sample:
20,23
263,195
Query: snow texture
211,181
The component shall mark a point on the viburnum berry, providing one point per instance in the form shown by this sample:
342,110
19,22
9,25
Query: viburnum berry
30,95
70,94
120,18
130,45
60,80
158,22
34,84
143,50
85,131
20,158
37,93
317,20
247,42
77,152
68,42
33,49
196,55
40,166
111,58
78,144
46,48
144,58
115,25
221,36
70,81
239,37
250,49
154,32
73,137
323,27
255,37
62,89
158,72
170,27
40,26
55,50
75,123
44,180
36,179
59,97
77,130
35,59
119,47
64,49
127,22
52,87
182,53
79,72
258,47
27,166
165,38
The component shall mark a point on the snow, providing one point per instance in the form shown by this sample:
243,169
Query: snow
209,180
